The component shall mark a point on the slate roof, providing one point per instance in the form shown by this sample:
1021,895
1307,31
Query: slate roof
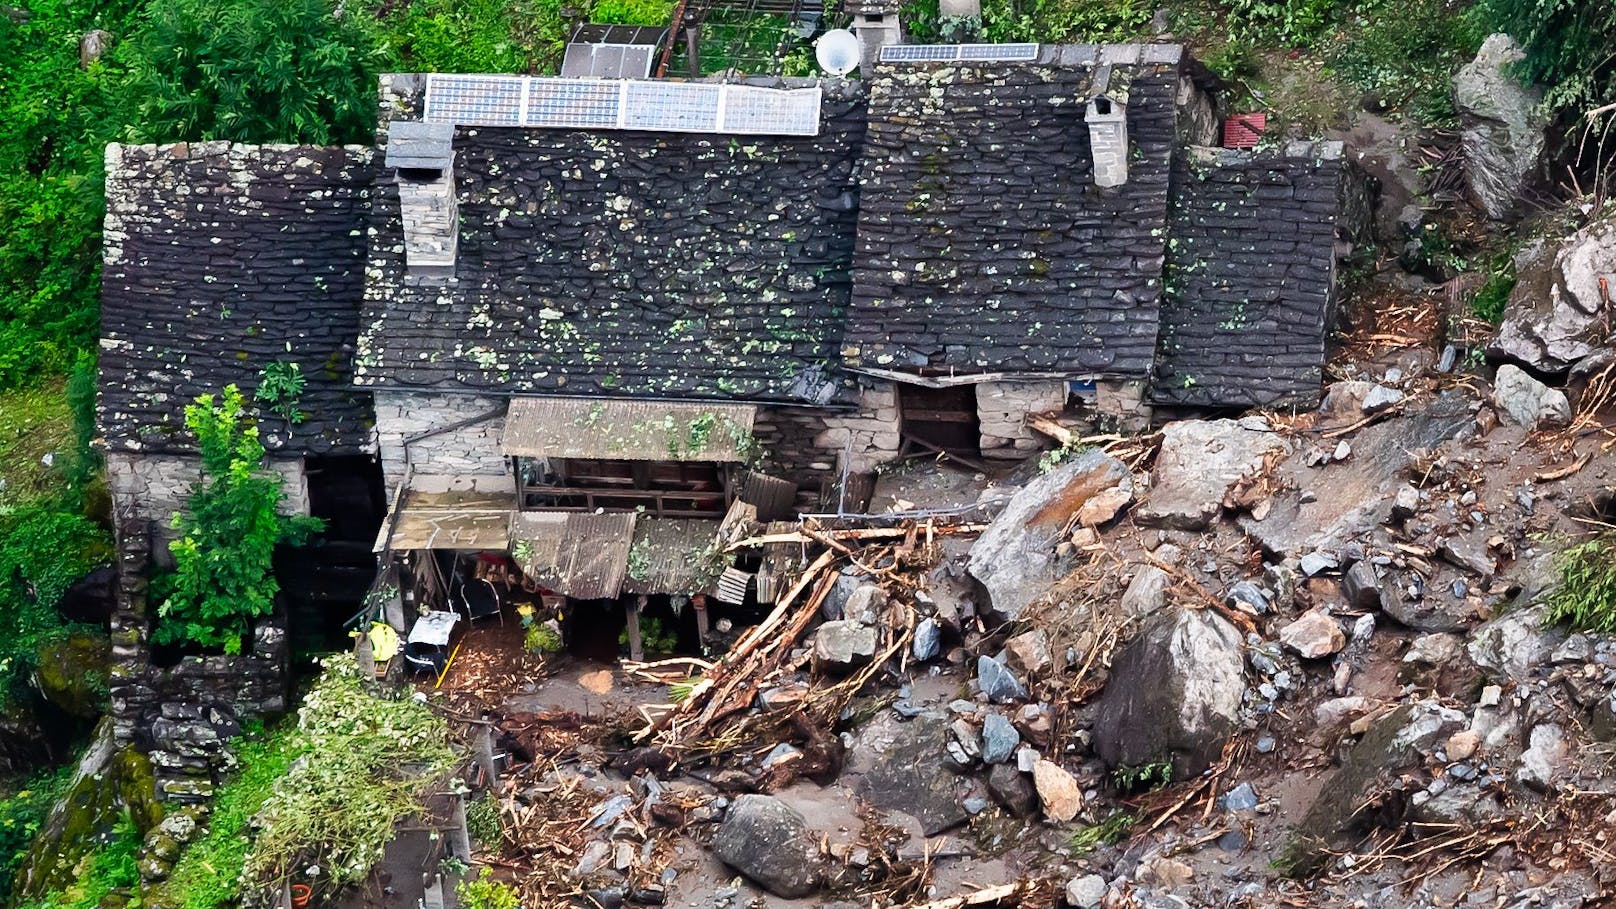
626,263
983,244
1250,267
220,259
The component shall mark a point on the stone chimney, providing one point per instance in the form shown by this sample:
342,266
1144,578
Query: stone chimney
877,24
1107,119
423,156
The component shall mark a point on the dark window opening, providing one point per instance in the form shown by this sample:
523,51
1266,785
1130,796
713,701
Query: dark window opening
940,419
662,488
323,583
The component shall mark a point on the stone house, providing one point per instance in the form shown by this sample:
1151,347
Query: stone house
583,320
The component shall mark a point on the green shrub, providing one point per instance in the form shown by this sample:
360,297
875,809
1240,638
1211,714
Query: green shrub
1586,597
256,71
482,820
632,12
367,762
1291,23
43,551
475,36
1086,21
1490,301
224,558
1568,46
23,810
113,870
482,892
1405,52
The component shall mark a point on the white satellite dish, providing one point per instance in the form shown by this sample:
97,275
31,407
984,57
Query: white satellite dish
837,51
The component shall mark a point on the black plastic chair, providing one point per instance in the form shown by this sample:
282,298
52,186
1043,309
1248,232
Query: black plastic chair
422,657
481,600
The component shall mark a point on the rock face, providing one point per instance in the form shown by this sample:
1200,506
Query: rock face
1555,315
1514,644
1174,694
1200,461
908,778
1502,127
764,839
1528,402
1015,558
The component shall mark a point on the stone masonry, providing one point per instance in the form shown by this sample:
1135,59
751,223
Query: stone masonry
1002,408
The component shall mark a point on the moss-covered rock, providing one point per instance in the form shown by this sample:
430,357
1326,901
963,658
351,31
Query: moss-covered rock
72,673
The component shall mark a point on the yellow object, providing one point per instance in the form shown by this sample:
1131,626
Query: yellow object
383,642
452,654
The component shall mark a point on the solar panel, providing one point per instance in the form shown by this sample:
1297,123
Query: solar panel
608,61
948,53
563,103
474,100
684,107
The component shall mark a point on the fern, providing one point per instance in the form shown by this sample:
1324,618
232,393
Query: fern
1586,597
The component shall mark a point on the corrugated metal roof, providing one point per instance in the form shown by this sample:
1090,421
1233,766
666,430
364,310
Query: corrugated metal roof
449,520
583,556
627,430
673,555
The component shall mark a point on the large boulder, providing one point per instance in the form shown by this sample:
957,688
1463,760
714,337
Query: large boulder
1015,559
1556,315
1515,644
1199,462
1174,694
845,645
72,673
1528,402
908,776
769,842
1502,123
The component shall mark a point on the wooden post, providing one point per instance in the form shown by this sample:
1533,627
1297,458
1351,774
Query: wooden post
699,601
636,648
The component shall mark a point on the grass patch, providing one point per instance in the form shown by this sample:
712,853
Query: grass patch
1586,597
36,425
208,872
24,805
1109,832
113,870
1490,301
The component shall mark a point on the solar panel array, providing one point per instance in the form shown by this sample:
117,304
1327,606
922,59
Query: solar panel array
608,61
959,53
700,107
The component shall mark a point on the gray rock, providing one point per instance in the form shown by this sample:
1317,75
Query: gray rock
928,640
1502,127
1086,892
1318,562
1013,789
842,589
1406,504
1313,636
1250,596
769,842
1402,598
906,778
1241,798
1174,694
1343,402
997,683
1361,586
865,604
1545,753
1146,593
999,739
1555,317
847,644
1381,398
1199,462
1514,644
1015,558
1527,402
1470,553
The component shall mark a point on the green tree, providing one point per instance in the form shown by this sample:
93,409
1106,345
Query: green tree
257,71
1568,46
223,561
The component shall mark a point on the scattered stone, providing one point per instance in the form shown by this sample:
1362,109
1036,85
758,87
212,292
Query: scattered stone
997,683
1199,463
1361,586
844,645
1033,721
1318,562
1104,506
1013,789
1333,711
1528,402
1015,558
1058,791
928,640
594,858
1029,651
1406,504
1241,798
1502,127
1175,693
1381,398
1462,745
1514,644
769,842
1313,636
1168,873
1343,450
1545,752
1249,597
1146,593
1470,553
1086,892
1343,402
999,739
906,778
1266,744
865,604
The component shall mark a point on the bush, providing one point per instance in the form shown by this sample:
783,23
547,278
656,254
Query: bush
1291,23
367,763
1088,21
224,559
1586,597
22,812
483,893
632,12
1405,53
43,551
1490,301
113,869
256,71
476,36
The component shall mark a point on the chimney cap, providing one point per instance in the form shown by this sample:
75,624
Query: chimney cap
419,145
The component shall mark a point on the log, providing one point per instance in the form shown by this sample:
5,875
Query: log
985,897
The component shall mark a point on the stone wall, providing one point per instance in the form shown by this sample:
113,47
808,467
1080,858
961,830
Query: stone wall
183,715
807,444
1125,402
444,450
1002,408
149,488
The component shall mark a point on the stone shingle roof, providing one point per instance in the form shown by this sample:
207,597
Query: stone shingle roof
220,259
1250,268
640,264
984,245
